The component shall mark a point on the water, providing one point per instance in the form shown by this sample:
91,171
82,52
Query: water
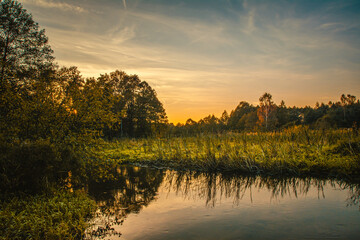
145,203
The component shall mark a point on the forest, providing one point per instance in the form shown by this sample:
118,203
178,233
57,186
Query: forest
267,116
59,130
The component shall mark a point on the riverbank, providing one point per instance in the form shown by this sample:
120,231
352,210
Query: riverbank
296,152
293,152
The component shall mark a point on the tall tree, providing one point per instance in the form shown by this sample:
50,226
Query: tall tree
24,49
346,101
141,112
25,67
236,115
266,109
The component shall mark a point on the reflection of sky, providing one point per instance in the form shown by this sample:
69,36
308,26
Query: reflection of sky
308,216
205,56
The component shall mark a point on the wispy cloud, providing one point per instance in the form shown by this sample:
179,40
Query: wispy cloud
192,29
55,4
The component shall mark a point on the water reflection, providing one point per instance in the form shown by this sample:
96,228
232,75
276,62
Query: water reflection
133,188
213,186
137,187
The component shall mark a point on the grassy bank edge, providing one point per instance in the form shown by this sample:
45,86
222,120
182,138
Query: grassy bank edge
59,215
296,153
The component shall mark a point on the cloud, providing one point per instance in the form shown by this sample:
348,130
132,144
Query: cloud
53,4
250,22
195,30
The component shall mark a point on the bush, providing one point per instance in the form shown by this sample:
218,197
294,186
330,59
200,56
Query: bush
32,167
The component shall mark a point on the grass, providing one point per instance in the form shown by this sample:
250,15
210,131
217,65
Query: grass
298,151
63,215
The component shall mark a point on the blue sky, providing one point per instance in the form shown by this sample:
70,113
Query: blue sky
203,57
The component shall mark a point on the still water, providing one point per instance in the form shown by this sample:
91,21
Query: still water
147,203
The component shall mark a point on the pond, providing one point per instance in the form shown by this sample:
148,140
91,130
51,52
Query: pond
148,203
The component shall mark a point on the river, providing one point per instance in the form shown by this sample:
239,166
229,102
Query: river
148,203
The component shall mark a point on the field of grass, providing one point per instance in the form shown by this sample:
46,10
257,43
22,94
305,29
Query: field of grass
297,152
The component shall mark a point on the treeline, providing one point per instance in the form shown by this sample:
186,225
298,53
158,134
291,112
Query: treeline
268,116
61,104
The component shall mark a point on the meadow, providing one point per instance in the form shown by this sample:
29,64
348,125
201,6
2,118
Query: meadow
298,151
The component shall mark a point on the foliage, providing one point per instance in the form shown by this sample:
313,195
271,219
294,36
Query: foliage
24,48
140,112
268,116
35,166
265,111
62,215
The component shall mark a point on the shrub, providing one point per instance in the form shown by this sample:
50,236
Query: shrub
32,167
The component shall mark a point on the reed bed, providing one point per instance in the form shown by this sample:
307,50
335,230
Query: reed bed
296,151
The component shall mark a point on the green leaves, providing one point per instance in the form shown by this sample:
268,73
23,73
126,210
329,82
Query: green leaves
24,49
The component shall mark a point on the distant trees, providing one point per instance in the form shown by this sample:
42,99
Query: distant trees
239,116
267,116
346,101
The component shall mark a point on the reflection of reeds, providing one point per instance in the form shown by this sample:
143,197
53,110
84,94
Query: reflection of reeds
214,186
292,152
138,186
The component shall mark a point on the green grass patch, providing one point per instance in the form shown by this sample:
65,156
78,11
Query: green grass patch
297,152
63,215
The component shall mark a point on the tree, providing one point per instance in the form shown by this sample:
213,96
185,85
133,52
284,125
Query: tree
266,109
282,115
224,118
210,123
24,48
346,101
141,112
241,110
25,75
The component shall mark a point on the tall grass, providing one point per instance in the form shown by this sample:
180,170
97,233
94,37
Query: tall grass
63,215
295,151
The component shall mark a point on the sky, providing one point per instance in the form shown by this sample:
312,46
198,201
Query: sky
205,56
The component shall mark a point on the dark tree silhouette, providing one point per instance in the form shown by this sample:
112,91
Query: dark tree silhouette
24,48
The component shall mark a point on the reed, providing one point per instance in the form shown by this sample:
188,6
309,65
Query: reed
296,151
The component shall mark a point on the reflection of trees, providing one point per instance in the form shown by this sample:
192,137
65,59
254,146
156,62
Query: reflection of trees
136,187
214,186
354,194
133,188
